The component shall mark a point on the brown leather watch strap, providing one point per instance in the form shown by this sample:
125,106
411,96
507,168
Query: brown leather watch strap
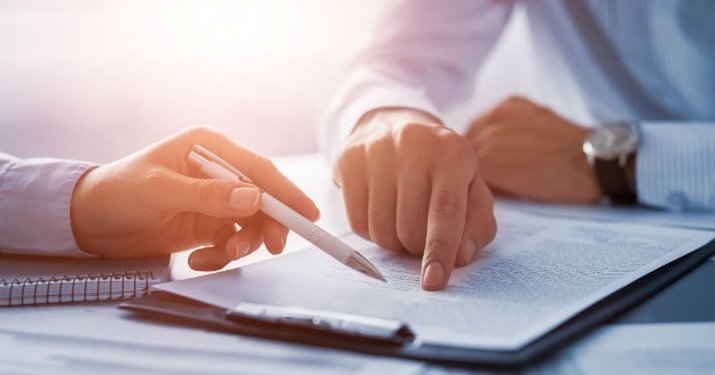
614,184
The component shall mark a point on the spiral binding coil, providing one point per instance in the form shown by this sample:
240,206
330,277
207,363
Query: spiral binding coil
78,288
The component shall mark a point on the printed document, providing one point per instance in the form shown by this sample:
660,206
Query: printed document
538,272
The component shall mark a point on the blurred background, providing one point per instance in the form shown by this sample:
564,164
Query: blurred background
96,80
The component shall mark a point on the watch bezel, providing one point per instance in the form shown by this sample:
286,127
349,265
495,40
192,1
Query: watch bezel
620,149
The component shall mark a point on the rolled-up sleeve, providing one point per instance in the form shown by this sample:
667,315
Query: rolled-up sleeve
35,197
423,55
675,166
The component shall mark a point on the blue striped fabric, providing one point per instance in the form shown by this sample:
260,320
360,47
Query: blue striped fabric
676,166
652,62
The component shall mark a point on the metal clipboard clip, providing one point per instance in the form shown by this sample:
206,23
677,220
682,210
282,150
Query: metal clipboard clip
347,325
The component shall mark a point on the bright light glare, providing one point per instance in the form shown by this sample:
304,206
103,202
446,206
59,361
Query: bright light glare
99,79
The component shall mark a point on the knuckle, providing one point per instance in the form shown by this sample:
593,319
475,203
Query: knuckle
446,204
379,148
410,239
515,99
387,244
202,130
491,228
449,137
404,232
382,235
343,163
455,145
437,246
267,164
262,166
359,227
491,133
207,134
508,105
415,248
487,231
413,133
204,189
411,129
348,157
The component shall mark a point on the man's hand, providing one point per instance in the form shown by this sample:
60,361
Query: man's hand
153,202
528,151
411,184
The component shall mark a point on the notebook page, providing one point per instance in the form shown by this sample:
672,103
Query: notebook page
536,274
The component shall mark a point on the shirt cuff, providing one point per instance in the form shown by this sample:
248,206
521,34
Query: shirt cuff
675,164
35,198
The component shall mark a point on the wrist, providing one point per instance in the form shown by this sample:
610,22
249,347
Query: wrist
81,209
631,173
610,149
393,116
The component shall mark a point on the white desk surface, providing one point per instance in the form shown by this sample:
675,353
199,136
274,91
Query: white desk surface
92,338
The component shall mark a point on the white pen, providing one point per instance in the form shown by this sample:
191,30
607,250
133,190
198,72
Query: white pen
215,167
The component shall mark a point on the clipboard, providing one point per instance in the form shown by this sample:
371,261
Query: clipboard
398,340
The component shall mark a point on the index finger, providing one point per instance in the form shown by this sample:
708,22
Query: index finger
260,170
445,224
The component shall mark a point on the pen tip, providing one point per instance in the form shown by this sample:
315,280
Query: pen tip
358,262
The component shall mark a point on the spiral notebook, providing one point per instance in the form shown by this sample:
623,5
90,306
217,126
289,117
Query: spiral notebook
36,280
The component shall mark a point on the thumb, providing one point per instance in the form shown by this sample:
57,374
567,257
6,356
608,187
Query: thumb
212,197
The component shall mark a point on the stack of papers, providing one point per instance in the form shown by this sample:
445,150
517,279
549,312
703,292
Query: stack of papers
538,273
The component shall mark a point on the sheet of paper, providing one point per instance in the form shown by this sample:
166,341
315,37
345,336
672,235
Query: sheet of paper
101,339
642,215
538,272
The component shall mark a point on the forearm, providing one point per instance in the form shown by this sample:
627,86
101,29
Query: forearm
35,198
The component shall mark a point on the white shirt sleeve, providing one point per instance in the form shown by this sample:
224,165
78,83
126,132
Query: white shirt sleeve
35,197
675,165
423,55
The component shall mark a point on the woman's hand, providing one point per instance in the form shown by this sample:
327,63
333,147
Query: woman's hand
153,202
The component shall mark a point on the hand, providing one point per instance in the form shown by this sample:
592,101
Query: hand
152,202
528,151
412,184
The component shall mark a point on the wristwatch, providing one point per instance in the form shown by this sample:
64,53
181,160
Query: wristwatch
608,149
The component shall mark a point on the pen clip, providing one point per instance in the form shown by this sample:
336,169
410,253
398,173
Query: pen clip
349,325
203,156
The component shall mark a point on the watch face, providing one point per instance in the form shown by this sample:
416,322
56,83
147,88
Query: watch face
611,141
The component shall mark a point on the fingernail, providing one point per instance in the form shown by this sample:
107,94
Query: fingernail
243,247
434,276
243,199
194,264
468,250
317,214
